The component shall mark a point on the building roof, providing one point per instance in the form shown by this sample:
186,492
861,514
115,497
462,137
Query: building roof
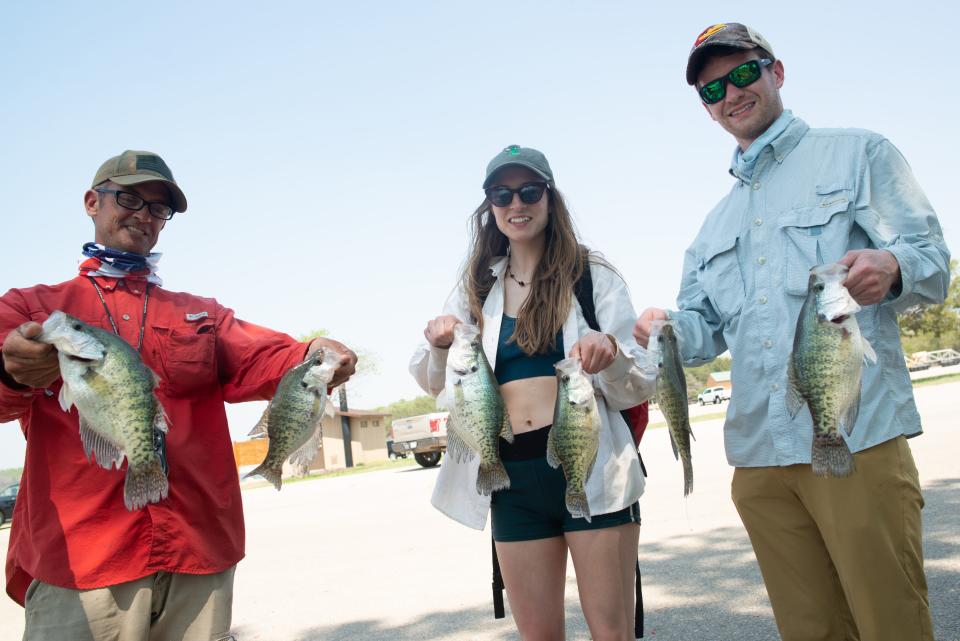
720,377
260,428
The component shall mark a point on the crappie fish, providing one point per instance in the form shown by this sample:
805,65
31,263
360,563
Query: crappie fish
478,416
293,417
825,367
672,398
574,439
114,394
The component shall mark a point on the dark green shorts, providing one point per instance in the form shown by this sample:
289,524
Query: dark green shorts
534,507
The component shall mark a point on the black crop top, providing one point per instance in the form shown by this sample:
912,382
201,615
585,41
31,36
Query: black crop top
513,363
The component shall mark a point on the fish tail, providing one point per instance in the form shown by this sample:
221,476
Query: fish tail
577,503
687,476
144,484
492,477
271,473
831,456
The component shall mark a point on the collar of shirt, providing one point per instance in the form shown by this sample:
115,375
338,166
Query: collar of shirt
95,267
783,135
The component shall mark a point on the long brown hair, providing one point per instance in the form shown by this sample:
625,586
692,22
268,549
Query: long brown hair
544,311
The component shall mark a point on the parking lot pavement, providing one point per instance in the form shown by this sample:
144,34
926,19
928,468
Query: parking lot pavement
366,557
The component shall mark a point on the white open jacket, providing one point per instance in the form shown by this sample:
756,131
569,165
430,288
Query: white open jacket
616,481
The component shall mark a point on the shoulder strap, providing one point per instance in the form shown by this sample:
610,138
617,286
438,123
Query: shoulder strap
583,290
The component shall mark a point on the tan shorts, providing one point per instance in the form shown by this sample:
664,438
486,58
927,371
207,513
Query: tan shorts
842,558
158,607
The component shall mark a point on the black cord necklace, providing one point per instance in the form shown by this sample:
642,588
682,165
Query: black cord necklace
113,323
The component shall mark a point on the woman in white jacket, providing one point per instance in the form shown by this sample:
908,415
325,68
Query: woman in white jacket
518,286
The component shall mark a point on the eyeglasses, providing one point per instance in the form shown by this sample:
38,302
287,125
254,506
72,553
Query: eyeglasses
133,202
741,76
530,193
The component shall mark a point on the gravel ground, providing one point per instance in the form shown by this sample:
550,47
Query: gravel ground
366,557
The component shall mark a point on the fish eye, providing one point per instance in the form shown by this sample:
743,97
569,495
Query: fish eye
76,326
303,384
819,287
474,368
565,378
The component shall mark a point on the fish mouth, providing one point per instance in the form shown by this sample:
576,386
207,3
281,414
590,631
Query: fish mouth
81,359
840,319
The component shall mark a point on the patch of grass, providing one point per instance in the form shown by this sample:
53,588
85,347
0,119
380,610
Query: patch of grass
360,468
695,419
936,380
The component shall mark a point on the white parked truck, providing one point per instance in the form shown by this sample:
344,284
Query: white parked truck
425,436
714,395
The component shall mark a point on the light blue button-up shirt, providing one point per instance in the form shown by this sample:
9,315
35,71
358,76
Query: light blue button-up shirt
803,197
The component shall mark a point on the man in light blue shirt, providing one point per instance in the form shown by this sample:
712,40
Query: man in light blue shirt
841,557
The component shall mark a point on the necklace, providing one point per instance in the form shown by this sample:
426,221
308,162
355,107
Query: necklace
113,323
517,281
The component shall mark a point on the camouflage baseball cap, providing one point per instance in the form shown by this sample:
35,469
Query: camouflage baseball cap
527,157
135,167
727,34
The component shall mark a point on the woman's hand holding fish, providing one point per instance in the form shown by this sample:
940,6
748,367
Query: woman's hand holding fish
27,361
596,352
347,364
439,331
872,273
641,331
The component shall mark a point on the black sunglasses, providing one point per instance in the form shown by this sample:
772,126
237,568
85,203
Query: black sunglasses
740,76
529,193
133,202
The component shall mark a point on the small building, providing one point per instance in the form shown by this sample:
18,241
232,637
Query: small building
368,441
720,379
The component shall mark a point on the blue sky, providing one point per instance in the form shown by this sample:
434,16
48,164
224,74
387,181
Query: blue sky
332,152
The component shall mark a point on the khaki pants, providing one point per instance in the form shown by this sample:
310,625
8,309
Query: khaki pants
159,607
842,559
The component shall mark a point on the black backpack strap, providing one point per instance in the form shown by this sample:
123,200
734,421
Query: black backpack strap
498,611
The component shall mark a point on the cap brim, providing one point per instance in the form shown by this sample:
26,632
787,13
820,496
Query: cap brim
693,62
179,200
515,163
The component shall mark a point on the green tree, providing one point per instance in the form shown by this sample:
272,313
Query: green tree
413,407
930,327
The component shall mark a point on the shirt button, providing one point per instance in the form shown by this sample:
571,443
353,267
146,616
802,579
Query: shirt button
767,344
125,317
762,260
756,186
774,387
763,300
758,222
136,291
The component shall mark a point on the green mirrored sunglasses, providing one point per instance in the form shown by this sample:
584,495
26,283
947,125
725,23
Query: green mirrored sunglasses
740,76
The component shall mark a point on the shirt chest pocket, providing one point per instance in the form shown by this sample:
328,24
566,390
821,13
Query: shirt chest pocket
186,354
814,236
719,276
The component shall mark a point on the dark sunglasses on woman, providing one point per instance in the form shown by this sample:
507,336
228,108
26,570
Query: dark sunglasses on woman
740,76
530,193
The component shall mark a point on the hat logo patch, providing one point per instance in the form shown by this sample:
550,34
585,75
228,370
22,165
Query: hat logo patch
154,164
513,150
707,33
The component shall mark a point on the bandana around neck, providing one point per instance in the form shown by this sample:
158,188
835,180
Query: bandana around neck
99,260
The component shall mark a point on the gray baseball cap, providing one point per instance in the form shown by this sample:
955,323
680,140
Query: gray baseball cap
727,34
527,157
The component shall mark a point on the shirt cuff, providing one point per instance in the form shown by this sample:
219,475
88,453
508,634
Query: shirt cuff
619,367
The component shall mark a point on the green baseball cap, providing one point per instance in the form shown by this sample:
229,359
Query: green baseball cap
523,157
726,34
135,167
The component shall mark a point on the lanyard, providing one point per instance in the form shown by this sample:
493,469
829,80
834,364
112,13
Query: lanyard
113,323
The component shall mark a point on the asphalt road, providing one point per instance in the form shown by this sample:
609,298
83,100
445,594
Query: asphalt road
366,557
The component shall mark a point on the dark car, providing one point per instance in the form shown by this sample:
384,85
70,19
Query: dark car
8,497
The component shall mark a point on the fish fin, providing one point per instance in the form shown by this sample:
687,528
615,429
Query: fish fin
492,477
507,430
272,474
576,500
849,418
261,426
831,456
673,444
328,407
457,447
553,458
869,355
687,477
690,430
160,420
145,484
303,457
65,398
106,451
794,399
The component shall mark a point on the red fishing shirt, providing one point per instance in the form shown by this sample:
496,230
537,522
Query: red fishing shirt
70,526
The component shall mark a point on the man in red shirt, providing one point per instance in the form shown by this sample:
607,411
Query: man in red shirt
83,565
